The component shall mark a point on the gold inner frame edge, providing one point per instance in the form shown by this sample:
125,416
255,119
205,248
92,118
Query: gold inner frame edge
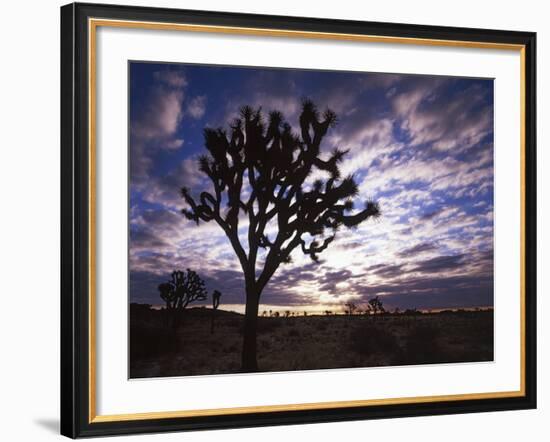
93,24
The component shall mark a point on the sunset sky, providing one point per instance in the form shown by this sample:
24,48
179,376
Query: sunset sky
422,146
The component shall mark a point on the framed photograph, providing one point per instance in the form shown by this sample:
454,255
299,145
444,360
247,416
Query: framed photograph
275,220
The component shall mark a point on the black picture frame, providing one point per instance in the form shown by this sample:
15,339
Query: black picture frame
75,221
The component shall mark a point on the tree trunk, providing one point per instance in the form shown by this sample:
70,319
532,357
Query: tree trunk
249,362
177,318
212,321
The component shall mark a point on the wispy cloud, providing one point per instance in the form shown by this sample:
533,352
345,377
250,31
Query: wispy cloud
197,107
420,145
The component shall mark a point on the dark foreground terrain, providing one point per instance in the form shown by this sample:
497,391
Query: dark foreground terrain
304,342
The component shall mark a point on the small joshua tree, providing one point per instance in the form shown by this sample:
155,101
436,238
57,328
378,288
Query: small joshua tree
376,306
167,294
350,308
182,289
216,295
260,170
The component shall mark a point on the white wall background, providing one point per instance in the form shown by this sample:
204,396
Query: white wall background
29,232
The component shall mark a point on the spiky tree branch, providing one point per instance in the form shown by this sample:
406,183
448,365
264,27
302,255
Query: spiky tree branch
259,171
182,289
376,305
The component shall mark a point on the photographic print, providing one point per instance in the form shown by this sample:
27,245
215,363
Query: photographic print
292,219
297,214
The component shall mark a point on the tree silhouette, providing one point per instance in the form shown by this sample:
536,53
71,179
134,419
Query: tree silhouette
350,308
376,305
166,290
182,289
260,169
216,295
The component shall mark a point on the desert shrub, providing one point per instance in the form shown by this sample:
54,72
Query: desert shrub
368,339
265,344
265,325
233,322
141,310
321,326
293,333
422,346
142,315
268,325
152,341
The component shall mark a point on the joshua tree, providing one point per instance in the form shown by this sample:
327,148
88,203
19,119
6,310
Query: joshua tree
216,295
167,294
182,289
350,308
260,169
376,305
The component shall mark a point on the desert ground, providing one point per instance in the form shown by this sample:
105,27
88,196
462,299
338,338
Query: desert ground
298,342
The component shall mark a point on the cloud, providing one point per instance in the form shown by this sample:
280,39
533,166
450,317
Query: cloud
420,145
155,120
439,264
447,117
417,249
145,240
175,79
272,90
431,214
165,189
434,292
387,270
154,127
351,245
176,143
161,116
197,107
